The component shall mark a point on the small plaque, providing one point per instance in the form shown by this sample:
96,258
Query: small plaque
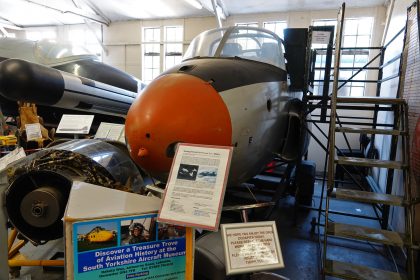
110,131
321,37
33,131
75,124
251,247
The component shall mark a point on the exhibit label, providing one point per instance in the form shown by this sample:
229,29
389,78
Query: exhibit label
321,37
75,124
33,131
110,131
131,248
251,247
196,186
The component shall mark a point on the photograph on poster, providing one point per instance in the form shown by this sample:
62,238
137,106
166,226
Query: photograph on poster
168,231
207,174
187,172
96,236
138,231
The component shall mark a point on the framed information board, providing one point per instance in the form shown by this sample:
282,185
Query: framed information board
196,187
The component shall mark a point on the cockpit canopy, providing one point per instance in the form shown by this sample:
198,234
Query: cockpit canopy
45,52
239,41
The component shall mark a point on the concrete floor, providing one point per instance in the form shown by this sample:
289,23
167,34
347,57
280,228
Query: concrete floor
299,245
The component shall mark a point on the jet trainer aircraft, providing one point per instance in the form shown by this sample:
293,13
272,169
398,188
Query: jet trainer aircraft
230,90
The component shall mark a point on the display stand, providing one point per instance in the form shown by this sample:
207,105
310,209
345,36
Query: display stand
117,236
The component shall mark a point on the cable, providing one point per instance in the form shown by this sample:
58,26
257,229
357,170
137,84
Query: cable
256,200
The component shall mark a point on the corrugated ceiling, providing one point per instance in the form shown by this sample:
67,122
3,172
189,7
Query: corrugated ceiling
56,12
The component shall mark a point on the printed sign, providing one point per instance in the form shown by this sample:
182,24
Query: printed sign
75,124
321,37
111,131
196,187
33,131
251,247
131,248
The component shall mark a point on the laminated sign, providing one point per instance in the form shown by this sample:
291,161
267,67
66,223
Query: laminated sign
136,247
111,234
251,247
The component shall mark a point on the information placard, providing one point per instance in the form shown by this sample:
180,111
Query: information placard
110,131
251,247
75,124
196,186
131,248
321,37
33,131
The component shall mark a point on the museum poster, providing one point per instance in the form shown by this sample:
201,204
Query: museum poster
136,247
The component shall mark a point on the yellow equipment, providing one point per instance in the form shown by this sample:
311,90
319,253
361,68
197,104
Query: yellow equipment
8,140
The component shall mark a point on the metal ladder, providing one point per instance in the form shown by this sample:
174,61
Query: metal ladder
361,233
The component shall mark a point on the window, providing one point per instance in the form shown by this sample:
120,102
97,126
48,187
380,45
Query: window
173,45
151,54
39,35
276,27
77,36
5,33
154,51
85,37
357,33
247,24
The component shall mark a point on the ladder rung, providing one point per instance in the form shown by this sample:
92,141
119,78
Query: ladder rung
370,100
365,233
353,271
367,197
367,162
369,131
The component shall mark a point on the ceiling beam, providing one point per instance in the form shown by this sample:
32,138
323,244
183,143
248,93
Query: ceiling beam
75,11
4,31
96,9
217,13
209,5
9,24
223,6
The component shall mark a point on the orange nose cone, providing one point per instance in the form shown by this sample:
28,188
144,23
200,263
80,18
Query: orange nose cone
175,108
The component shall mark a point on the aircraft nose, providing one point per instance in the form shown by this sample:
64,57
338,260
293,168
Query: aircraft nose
175,108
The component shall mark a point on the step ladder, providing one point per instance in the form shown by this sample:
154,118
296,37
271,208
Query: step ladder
384,235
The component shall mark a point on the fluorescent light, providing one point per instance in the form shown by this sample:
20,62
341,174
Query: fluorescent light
195,4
